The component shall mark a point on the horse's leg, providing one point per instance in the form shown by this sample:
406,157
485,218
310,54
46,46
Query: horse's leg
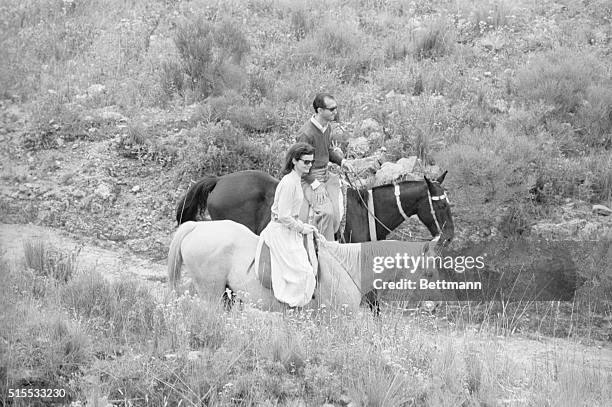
371,299
205,257
243,281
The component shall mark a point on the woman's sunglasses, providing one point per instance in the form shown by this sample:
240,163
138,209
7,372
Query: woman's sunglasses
307,162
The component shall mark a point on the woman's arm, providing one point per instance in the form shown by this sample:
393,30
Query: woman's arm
286,197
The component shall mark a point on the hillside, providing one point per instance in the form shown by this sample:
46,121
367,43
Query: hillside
110,111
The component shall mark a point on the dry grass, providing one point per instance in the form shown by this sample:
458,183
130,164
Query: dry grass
183,351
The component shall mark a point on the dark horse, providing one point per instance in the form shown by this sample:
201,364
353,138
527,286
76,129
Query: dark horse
246,197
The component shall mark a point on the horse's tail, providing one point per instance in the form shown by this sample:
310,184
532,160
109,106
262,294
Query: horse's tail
175,258
195,200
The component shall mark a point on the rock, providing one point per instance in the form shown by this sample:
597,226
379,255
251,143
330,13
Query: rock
194,355
135,188
410,164
573,229
369,126
110,115
500,106
345,399
104,191
390,94
78,193
376,137
365,167
358,147
86,202
96,89
602,210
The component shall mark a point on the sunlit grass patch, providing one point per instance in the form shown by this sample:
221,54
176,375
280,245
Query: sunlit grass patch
119,309
48,261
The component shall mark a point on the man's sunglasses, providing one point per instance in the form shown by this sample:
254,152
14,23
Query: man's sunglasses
331,109
307,162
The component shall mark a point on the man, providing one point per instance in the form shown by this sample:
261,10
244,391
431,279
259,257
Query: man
322,189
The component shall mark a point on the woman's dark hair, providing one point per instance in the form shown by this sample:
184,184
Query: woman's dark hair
319,101
296,152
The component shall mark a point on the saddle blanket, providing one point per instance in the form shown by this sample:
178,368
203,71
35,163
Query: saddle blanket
263,261
387,260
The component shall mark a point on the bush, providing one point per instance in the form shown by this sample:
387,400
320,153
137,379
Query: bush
119,309
338,39
560,79
48,261
221,148
234,108
435,40
171,79
211,56
574,87
594,117
398,46
499,164
487,17
301,23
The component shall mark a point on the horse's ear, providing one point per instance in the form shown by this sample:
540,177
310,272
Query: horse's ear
427,181
441,177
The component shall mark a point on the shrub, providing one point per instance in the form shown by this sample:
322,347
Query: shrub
211,55
489,16
221,148
48,261
119,309
338,39
594,117
234,108
398,46
171,78
558,78
499,164
138,144
231,42
435,40
587,178
301,23
261,86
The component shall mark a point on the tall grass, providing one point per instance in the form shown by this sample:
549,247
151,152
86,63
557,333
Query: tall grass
435,40
48,261
182,350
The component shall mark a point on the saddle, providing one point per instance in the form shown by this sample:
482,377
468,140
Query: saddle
263,261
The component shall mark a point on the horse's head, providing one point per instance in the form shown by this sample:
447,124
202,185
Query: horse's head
435,212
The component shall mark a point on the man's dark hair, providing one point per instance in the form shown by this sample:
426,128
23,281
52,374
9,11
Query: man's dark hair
319,101
296,151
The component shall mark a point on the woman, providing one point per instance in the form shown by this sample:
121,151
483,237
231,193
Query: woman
293,277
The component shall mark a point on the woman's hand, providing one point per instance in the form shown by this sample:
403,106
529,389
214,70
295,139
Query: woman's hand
308,229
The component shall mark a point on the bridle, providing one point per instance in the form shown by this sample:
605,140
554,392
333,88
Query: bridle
430,198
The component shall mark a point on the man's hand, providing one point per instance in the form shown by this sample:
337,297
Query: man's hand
346,165
320,194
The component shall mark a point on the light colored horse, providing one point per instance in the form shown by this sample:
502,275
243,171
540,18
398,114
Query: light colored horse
220,254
